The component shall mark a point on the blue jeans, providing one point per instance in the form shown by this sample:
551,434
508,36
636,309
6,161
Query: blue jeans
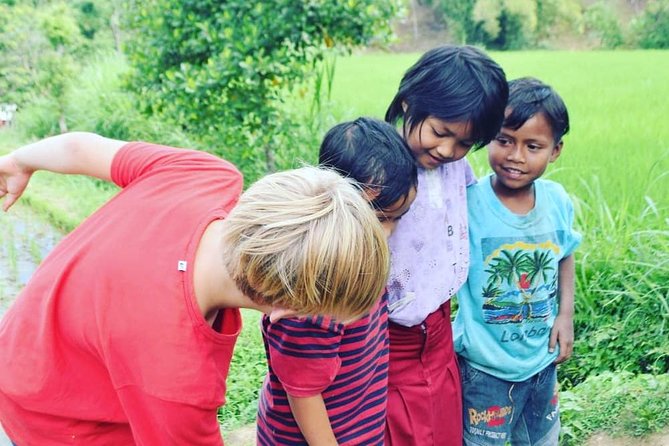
498,412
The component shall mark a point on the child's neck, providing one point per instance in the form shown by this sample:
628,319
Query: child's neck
519,201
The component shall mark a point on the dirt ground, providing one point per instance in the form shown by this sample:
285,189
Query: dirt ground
661,439
244,436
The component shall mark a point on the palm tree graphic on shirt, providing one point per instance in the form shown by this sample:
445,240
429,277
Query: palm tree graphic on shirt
521,284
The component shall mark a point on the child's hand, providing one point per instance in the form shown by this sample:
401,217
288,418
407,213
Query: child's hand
13,181
562,332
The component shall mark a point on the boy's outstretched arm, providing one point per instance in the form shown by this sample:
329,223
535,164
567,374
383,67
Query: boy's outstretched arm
70,153
563,327
312,418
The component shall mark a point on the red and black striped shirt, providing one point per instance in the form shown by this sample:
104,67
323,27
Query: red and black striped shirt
347,364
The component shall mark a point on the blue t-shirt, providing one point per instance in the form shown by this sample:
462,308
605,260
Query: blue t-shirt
508,305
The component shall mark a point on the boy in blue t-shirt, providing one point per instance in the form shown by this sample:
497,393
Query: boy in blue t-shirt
518,302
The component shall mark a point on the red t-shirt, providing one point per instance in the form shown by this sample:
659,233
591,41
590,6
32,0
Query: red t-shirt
106,343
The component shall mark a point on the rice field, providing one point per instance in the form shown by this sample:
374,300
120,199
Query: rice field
617,100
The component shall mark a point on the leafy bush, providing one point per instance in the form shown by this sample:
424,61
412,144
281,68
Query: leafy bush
99,104
222,69
617,403
38,119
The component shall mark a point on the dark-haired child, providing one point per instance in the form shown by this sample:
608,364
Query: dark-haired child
518,302
327,379
450,101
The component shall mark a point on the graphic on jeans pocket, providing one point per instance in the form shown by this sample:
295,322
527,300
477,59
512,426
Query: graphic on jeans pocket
491,417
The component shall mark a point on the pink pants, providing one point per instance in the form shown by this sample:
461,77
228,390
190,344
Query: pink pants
424,393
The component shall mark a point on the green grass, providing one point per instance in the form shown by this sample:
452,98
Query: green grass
247,370
618,404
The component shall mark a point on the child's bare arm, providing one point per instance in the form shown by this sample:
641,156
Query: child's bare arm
70,153
312,418
563,327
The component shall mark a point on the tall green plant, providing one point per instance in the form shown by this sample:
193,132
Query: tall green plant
622,296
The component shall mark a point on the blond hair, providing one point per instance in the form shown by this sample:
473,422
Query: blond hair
306,240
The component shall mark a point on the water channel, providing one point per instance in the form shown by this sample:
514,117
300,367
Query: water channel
24,241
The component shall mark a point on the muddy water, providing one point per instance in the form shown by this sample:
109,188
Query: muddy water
24,241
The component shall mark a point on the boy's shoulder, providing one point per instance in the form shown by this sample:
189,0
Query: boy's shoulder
552,188
479,185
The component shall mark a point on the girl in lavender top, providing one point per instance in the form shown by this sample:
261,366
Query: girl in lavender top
450,101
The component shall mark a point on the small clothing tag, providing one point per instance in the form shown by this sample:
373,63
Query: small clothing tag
182,265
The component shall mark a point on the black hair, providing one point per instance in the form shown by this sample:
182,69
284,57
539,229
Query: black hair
374,154
454,83
529,96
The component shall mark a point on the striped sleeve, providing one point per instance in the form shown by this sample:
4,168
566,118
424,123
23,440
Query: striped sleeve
304,353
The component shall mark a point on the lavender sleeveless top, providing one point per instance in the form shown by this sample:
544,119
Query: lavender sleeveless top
430,245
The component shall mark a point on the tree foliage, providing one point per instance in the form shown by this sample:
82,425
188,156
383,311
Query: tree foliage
602,23
222,68
41,45
519,24
652,27
38,47
515,24
458,15
509,24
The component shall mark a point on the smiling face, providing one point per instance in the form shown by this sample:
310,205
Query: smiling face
434,141
518,157
391,215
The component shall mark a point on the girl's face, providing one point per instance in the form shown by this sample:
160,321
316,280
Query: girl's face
434,141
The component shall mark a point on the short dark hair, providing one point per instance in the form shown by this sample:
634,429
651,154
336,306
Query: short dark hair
529,96
455,83
374,154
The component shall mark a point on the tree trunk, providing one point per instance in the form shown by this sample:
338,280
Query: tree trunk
270,160
114,21
62,123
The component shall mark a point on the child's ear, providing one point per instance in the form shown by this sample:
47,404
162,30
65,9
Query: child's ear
556,151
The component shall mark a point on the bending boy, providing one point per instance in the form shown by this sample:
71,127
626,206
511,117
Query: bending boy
124,334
